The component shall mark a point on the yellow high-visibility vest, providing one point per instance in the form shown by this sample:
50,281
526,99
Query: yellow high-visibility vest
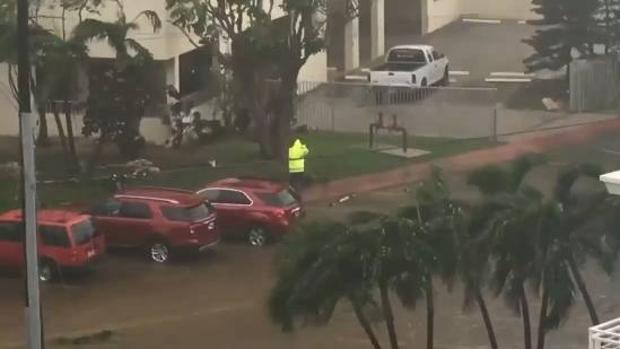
296,156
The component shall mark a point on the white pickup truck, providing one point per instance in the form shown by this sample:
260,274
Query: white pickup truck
412,66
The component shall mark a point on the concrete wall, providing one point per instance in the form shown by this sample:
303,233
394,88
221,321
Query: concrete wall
442,12
500,9
315,69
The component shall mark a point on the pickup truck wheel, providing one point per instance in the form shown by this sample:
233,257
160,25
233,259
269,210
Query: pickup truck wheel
159,252
424,83
258,236
47,270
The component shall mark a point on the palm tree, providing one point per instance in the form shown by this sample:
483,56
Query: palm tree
508,222
317,268
117,33
115,109
438,218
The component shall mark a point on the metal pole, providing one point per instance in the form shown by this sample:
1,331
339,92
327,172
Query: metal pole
29,209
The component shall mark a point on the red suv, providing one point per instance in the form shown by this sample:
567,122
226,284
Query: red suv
66,240
253,209
159,220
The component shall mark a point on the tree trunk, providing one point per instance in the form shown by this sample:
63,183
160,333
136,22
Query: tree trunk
43,139
73,159
542,330
389,315
284,112
96,154
525,314
430,316
361,318
486,317
574,269
60,128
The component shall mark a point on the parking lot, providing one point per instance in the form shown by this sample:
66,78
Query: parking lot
477,51
219,300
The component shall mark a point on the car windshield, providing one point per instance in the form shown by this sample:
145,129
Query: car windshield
186,214
406,56
83,232
280,199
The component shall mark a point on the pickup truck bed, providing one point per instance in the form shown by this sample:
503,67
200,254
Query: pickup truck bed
403,67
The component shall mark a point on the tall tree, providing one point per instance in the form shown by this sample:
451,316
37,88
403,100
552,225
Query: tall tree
119,91
566,28
304,37
246,26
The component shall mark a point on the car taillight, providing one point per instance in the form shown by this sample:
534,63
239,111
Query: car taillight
211,225
192,231
280,213
413,78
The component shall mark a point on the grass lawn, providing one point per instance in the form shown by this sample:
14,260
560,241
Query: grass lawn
333,156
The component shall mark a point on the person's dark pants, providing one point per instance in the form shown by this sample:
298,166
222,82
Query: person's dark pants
296,180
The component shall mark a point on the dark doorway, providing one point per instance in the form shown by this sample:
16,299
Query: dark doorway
195,71
403,18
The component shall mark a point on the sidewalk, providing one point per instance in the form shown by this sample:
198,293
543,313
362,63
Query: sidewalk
458,163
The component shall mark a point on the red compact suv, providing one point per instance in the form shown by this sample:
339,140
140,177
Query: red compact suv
158,220
253,209
66,240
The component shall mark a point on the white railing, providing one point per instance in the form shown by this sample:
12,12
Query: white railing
605,335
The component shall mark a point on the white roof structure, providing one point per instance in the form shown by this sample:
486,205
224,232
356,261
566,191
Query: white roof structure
605,335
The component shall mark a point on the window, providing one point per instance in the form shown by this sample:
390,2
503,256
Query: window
211,194
281,199
55,236
223,196
107,208
186,214
233,197
83,232
407,56
10,232
134,210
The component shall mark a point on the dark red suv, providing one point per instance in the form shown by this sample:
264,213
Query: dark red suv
67,240
253,209
159,220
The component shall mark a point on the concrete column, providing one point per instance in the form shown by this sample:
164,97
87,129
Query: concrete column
377,28
173,77
352,44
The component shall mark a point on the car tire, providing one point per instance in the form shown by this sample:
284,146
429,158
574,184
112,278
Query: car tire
424,83
47,270
159,252
446,78
258,236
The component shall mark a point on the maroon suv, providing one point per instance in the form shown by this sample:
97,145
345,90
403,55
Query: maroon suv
158,220
253,209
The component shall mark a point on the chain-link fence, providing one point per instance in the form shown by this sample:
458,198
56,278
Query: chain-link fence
457,113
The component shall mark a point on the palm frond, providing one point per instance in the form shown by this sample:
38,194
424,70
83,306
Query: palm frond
152,17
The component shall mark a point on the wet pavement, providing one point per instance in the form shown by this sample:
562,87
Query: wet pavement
219,300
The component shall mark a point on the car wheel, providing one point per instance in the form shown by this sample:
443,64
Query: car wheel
446,77
258,236
424,83
159,252
47,271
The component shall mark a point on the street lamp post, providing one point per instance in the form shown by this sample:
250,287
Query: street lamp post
28,184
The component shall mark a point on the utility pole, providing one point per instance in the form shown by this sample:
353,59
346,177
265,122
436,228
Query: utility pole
28,185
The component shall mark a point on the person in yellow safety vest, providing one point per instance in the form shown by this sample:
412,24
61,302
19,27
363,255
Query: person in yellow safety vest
296,163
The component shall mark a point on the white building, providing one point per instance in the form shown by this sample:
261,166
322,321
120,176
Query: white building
184,67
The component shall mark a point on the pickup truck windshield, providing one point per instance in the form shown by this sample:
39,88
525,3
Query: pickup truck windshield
407,56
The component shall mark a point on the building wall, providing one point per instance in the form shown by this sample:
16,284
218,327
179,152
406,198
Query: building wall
315,69
500,9
442,12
